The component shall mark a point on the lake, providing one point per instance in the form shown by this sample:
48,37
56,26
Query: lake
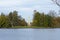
30,34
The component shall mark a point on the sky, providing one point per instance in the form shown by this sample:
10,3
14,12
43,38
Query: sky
25,8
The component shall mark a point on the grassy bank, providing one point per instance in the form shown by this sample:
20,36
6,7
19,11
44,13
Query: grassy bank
37,27
34,27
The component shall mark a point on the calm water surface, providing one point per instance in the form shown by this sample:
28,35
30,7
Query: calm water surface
29,34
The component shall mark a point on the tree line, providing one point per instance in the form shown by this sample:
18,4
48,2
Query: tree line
50,20
11,20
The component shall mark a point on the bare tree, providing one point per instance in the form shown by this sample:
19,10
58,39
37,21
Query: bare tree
56,2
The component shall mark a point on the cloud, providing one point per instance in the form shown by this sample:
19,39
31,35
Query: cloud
9,3
26,7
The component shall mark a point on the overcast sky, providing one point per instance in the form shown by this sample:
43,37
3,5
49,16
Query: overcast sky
25,7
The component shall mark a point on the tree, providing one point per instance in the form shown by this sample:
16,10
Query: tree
24,22
56,2
57,22
11,20
36,19
51,17
0,20
15,18
10,17
4,22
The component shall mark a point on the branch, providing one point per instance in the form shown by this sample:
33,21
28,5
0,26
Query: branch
56,2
